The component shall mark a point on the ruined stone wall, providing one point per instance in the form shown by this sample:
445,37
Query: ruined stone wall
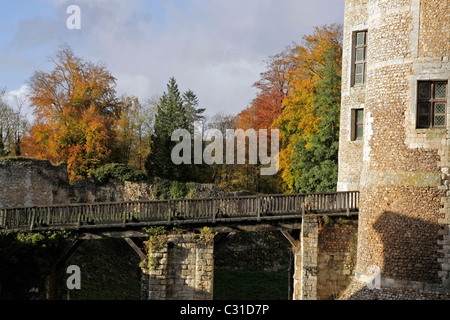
86,191
32,183
403,171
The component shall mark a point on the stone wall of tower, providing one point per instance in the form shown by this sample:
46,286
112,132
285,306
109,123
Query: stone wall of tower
353,97
400,171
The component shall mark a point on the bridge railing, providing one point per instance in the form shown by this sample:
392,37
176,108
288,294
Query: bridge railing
166,211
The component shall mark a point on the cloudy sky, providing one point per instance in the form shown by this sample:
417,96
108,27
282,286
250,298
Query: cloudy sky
216,48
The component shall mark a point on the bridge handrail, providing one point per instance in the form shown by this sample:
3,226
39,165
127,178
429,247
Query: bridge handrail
211,209
182,199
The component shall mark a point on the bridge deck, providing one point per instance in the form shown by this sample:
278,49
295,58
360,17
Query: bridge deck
184,211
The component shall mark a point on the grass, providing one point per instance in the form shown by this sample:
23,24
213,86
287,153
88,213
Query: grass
109,271
250,285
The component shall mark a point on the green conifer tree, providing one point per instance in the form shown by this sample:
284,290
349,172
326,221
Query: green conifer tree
317,155
174,111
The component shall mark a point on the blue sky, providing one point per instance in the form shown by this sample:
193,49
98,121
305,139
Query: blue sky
216,48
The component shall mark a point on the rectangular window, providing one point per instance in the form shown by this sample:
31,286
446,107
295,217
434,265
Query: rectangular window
432,104
359,58
357,130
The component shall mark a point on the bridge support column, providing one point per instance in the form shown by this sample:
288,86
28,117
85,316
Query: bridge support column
180,268
309,238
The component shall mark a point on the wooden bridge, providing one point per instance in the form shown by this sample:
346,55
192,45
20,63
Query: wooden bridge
185,211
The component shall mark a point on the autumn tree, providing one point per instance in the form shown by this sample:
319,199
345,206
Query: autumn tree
273,87
76,110
300,118
316,155
134,129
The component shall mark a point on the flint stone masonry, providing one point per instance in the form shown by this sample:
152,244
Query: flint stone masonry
359,291
400,171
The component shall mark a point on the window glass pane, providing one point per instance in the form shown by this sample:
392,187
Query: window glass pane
424,90
360,54
359,68
440,90
439,108
359,132
424,121
360,38
358,78
360,116
439,121
424,108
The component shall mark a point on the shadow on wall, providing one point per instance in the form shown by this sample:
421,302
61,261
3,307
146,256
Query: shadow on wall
410,258
410,248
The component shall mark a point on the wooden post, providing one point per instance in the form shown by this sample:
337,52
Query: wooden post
303,206
48,215
136,248
347,195
258,209
124,216
79,218
89,213
32,218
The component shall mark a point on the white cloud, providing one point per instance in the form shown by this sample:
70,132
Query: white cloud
133,84
215,47
15,97
18,100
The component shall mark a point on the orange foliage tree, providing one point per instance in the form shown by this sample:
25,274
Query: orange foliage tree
76,111
299,117
264,109
286,98
272,88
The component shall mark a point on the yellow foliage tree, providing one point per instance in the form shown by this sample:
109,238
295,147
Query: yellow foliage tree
298,117
76,111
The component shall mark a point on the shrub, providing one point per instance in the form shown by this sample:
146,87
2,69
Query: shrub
117,171
166,189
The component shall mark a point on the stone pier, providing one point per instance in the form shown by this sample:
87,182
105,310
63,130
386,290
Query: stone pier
309,243
324,258
181,268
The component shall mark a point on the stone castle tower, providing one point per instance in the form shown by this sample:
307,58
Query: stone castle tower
395,138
